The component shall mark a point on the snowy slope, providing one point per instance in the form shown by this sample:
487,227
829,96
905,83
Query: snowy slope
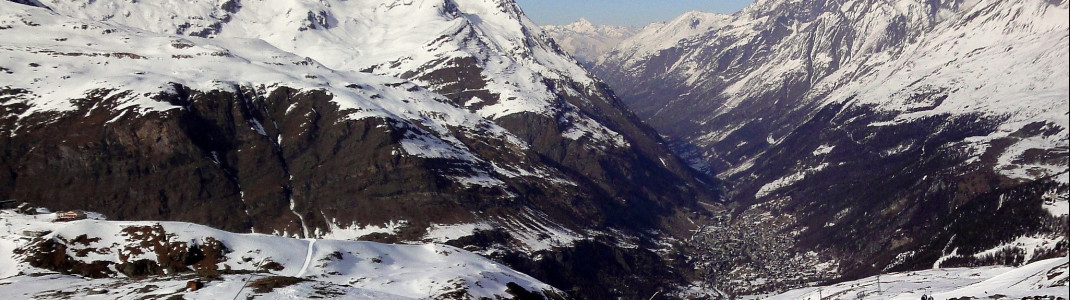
1043,278
57,286
355,270
1019,75
308,47
586,41
406,39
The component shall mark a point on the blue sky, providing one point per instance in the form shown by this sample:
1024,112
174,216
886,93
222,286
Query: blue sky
621,12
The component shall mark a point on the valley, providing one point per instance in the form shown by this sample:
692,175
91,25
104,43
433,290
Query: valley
456,149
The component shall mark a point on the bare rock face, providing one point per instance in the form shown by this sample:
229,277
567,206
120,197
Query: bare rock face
133,165
204,163
867,132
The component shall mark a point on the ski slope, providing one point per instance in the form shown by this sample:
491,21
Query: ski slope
1042,278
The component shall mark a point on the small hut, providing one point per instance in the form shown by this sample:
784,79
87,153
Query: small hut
26,209
68,216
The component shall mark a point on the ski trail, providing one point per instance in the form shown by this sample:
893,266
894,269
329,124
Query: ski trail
308,259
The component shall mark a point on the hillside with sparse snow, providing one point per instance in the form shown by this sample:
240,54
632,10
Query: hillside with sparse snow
96,258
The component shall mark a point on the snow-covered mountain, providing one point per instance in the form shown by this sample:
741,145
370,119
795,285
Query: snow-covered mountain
90,258
451,121
659,36
868,134
874,53
587,41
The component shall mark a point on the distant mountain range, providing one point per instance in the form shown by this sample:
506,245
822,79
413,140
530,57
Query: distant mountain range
585,41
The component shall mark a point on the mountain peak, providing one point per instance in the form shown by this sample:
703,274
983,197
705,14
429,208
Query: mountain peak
582,25
697,19
659,36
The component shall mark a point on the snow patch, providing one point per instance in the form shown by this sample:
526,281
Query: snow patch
355,232
441,233
788,180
